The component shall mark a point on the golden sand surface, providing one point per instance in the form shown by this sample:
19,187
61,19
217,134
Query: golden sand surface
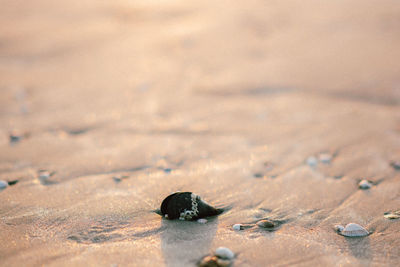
227,99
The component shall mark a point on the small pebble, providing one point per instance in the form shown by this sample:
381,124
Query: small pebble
312,161
237,227
119,178
224,253
364,184
44,175
266,224
325,158
259,175
13,182
203,221
3,185
15,137
395,165
392,215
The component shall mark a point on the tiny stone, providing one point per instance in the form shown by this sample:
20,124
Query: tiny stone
224,253
44,175
312,161
167,170
119,178
364,184
395,165
258,175
266,224
14,138
3,185
13,182
237,227
203,221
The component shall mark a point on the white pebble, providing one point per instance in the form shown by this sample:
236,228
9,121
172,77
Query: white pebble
224,253
3,185
202,221
237,227
364,184
312,161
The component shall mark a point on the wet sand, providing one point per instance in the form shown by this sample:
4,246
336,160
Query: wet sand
227,100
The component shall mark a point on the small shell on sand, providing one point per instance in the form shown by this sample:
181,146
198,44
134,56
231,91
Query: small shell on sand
203,221
392,215
237,227
352,230
312,161
3,185
266,224
364,184
224,253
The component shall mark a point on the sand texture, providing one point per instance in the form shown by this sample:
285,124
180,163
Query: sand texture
124,102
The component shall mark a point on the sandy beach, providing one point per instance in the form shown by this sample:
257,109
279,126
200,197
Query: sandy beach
268,109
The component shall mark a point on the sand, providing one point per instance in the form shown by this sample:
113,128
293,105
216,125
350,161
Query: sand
224,99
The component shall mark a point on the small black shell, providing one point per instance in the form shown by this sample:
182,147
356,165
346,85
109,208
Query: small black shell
187,206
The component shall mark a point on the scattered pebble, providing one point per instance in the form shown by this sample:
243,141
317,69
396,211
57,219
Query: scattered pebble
312,161
14,138
259,175
392,215
325,158
44,176
364,184
395,165
266,224
13,182
237,227
351,230
167,170
3,185
203,221
119,178
224,253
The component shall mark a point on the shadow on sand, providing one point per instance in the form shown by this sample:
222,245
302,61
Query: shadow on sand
183,243
360,248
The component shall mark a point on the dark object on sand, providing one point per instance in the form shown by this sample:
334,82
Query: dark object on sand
187,206
14,138
395,165
13,182
266,224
